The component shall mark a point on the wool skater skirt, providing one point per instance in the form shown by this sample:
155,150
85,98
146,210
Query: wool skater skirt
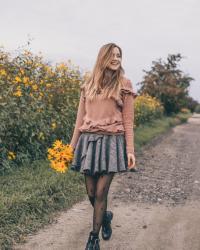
96,154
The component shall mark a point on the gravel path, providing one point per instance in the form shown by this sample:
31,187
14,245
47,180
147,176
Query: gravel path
155,208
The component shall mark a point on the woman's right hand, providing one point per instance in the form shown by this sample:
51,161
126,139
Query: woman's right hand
131,161
72,147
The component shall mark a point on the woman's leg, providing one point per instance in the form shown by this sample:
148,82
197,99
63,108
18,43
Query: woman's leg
90,183
100,204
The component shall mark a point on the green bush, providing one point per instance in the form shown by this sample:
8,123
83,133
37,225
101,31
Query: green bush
38,105
197,109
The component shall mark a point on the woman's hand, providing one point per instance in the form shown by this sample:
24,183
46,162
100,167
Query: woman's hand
131,161
72,147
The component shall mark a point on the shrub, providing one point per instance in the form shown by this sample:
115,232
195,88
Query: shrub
38,105
185,111
146,109
197,109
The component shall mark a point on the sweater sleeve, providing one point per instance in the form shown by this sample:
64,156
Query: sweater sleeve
79,120
128,116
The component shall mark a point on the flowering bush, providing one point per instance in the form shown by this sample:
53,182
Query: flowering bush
38,104
146,109
185,110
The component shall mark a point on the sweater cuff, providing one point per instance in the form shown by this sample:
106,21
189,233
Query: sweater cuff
130,150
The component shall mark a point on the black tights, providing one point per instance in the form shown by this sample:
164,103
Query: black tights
97,189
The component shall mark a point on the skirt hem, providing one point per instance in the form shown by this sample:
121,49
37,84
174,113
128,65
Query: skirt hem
89,172
100,154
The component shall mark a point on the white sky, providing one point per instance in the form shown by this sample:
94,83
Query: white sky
75,29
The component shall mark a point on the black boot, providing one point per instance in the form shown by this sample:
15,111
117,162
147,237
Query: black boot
106,229
93,242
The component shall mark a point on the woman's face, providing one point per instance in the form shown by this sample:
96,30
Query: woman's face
115,60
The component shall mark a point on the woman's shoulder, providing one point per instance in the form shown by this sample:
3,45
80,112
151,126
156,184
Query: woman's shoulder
127,86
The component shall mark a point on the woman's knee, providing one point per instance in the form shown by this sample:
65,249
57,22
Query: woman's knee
101,194
103,186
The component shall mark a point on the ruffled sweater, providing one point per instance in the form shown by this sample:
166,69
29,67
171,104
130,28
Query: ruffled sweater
107,116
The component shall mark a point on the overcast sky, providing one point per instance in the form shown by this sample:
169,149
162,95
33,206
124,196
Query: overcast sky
75,29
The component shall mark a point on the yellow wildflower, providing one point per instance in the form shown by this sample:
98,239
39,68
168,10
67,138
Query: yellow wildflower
57,144
48,85
3,72
22,71
34,87
11,155
17,79
41,136
53,125
18,92
25,80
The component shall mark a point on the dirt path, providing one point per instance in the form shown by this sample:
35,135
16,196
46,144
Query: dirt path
157,208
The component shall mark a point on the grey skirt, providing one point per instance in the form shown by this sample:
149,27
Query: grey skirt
96,154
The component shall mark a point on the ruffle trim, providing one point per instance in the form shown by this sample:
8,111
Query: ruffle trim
128,90
112,124
103,122
125,90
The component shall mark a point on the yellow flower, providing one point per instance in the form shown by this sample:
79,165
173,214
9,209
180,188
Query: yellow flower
22,71
48,85
11,155
18,92
41,136
35,87
60,167
25,80
3,72
61,66
17,79
57,144
53,125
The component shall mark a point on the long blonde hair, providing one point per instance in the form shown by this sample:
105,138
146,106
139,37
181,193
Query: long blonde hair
102,76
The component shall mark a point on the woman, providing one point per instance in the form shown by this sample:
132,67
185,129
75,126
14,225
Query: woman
103,135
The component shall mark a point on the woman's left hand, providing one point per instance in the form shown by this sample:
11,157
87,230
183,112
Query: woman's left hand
131,161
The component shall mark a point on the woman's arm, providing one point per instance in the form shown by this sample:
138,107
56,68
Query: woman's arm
79,120
128,116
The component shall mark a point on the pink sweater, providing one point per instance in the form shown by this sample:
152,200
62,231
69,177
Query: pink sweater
108,116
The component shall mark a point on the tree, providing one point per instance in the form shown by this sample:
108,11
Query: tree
167,83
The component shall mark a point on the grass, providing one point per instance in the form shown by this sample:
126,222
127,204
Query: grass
145,133
31,196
